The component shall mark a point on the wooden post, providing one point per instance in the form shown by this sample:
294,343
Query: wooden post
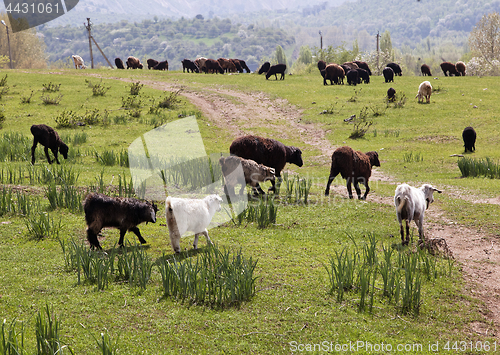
378,52
100,50
90,43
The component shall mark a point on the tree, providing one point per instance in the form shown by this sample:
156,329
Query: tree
484,38
385,42
279,55
305,55
28,50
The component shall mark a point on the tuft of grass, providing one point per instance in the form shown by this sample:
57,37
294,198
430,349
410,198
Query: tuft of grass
51,87
47,100
470,167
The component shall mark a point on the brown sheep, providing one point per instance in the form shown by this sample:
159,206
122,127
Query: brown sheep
460,66
243,65
449,69
266,151
275,70
426,70
321,65
334,73
134,63
161,66
200,63
363,65
119,63
117,212
49,138
212,66
351,65
253,173
354,166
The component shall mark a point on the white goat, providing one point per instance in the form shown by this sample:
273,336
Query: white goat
411,204
79,63
424,90
194,215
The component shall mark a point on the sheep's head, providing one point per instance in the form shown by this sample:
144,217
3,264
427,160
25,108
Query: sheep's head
373,156
214,201
428,190
294,156
63,149
153,208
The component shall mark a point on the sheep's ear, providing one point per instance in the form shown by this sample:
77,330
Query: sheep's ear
438,191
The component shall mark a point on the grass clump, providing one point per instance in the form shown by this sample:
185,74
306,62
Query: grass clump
470,167
135,88
51,87
217,278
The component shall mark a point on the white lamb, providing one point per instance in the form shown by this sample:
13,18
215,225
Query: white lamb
411,204
424,90
194,215
79,63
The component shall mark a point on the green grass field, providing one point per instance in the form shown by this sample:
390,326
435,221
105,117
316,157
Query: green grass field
292,309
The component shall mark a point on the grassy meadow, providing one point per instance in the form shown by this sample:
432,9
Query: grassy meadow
295,307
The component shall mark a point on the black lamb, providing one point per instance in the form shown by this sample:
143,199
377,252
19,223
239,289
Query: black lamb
49,138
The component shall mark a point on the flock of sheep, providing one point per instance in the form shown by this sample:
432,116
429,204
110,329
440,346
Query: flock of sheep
260,159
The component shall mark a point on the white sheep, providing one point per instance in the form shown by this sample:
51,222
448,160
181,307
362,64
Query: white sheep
424,90
411,204
252,173
194,215
79,63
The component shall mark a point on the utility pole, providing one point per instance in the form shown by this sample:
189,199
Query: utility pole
8,42
90,43
378,52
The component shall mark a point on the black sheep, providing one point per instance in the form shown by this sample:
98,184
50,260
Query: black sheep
321,65
119,63
391,94
449,68
243,65
363,76
354,166
151,63
363,65
388,74
264,68
266,151
161,66
117,212
49,138
396,68
189,65
275,70
426,70
469,137
352,77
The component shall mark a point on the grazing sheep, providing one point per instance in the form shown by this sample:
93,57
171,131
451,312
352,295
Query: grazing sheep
212,66
189,65
134,63
152,63
334,73
161,66
242,64
200,62
469,137
253,173
117,212
396,68
460,66
194,215
388,74
350,65
49,138
391,94
321,65
354,166
266,151
119,63
363,65
411,204
449,69
363,76
275,70
264,68
352,77
79,64
424,90
426,70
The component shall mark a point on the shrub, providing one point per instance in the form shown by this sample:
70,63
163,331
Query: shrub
51,87
135,88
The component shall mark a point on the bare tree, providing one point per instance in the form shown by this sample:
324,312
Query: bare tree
484,39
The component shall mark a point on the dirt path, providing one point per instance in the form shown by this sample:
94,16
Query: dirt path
244,113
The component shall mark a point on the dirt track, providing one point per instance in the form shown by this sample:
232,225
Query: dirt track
477,253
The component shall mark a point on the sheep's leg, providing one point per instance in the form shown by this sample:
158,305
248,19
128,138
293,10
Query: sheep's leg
54,151
349,187
195,243
402,232
137,233
358,190
205,233
35,142
407,232
333,175
367,189
420,224
46,150
92,239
